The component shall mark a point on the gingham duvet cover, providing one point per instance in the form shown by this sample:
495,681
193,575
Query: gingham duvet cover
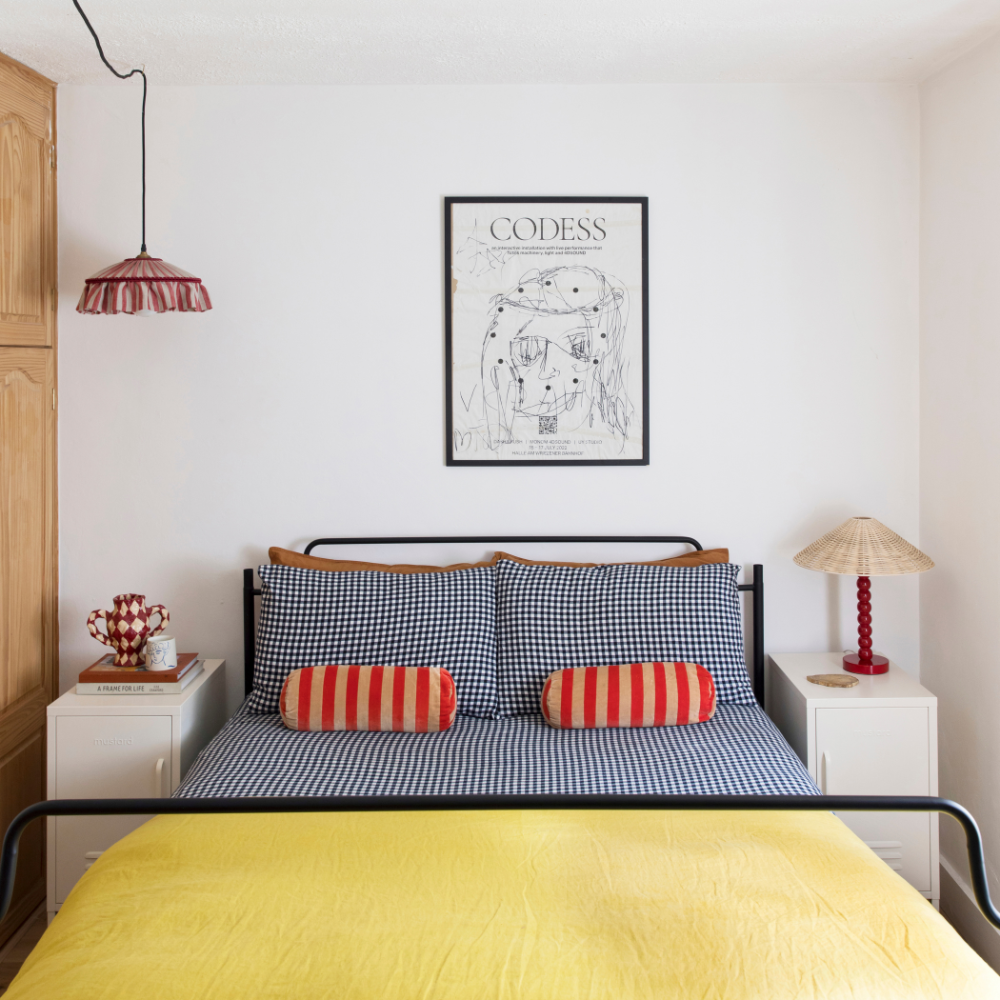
739,751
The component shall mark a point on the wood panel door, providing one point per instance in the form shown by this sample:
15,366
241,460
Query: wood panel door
27,600
27,207
28,566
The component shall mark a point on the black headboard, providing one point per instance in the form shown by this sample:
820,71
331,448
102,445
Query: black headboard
756,586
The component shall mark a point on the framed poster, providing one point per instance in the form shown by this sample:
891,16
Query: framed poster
547,331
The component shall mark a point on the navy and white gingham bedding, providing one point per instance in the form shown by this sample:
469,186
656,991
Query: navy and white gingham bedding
312,617
556,617
738,752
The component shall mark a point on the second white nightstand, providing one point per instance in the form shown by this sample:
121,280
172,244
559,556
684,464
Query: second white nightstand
879,738
120,747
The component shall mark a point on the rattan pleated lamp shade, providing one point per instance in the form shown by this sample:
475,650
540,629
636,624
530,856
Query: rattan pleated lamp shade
862,546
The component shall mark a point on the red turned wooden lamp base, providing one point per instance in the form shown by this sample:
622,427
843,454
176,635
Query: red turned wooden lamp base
864,661
876,665
864,547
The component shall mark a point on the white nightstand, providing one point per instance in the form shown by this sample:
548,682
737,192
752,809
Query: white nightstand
120,747
879,738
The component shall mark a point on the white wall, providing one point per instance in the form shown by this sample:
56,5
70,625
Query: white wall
783,305
960,444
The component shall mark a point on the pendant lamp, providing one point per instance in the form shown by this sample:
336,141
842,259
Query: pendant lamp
140,285
864,547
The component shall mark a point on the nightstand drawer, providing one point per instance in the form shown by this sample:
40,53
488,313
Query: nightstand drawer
109,756
112,756
880,751
873,751
901,840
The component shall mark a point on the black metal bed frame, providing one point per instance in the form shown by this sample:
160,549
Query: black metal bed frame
423,803
755,587
459,803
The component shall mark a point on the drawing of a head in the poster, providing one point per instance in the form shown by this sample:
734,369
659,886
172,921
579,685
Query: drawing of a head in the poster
553,356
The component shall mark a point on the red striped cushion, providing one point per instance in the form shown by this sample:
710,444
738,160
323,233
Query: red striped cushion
396,699
632,695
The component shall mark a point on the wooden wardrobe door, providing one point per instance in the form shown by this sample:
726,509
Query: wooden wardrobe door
28,626
27,195
27,601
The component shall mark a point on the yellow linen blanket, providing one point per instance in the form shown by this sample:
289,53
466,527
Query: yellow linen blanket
553,905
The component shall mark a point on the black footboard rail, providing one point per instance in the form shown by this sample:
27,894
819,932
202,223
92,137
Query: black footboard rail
460,803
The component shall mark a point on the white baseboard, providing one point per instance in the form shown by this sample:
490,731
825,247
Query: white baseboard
962,883
15,938
959,908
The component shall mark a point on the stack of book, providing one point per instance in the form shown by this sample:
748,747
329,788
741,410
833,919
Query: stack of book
103,677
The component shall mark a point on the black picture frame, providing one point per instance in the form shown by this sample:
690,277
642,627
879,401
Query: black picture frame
457,440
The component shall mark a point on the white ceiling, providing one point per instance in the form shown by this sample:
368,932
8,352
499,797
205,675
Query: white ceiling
504,41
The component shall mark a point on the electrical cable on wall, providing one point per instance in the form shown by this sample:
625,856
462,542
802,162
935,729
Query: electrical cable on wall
141,285
125,76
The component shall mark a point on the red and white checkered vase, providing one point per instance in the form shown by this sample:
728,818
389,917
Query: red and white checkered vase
128,627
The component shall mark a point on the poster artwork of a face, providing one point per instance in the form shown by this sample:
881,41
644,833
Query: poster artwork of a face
547,342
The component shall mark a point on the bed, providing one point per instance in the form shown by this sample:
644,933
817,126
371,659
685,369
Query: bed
501,857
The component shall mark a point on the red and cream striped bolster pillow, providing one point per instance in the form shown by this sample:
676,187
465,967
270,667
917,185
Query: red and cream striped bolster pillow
391,699
629,696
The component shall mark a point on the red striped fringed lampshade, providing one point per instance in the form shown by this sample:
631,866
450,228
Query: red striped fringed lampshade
146,284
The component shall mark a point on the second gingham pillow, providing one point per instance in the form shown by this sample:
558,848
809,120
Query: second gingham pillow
309,617
556,617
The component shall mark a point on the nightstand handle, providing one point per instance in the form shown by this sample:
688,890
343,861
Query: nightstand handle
824,767
159,777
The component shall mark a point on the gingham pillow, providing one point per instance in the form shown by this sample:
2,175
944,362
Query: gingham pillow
446,620
556,617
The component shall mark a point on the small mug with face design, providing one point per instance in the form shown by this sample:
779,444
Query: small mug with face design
161,653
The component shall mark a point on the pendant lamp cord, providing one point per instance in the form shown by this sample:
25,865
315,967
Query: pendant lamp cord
125,76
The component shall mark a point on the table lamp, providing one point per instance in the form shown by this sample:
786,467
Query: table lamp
865,547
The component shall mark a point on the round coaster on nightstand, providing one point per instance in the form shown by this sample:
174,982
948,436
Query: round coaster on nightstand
833,680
